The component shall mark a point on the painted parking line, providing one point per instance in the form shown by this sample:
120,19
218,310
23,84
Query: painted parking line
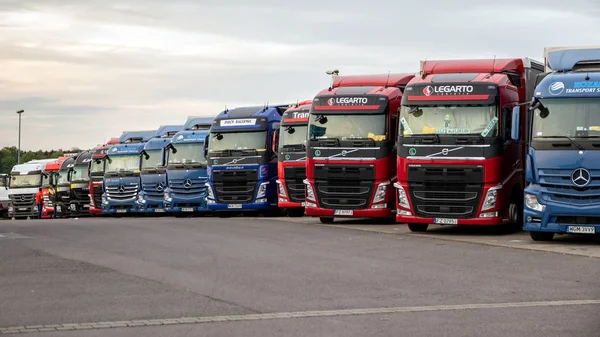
287,315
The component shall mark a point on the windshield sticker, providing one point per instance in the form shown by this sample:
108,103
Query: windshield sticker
594,128
539,133
452,131
412,151
490,126
407,130
377,138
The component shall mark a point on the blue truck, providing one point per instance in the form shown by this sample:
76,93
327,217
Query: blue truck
121,183
563,159
186,168
242,159
153,172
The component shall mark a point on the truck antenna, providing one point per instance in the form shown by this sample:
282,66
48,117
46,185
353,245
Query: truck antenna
423,73
297,102
226,110
493,66
387,81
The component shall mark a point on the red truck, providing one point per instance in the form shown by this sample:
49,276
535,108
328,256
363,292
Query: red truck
457,163
49,180
351,154
97,166
291,163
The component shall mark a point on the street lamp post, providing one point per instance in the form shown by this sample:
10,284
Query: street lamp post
19,148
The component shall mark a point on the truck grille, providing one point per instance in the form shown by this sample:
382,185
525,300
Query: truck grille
23,204
188,188
558,187
97,196
80,194
344,187
152,191
437,191
235,186
294,182
578,220
122,193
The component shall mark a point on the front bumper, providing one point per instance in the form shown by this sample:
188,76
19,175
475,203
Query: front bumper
119,208
256,206
495,221
546,221
289,204
357,213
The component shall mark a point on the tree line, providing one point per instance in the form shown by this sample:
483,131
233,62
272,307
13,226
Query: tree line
8,157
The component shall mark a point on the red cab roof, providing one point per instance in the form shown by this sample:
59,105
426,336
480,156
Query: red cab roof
392,80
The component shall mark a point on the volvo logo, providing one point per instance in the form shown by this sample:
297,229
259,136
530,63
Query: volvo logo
160,187
344,153
121,189
187,183
445,152
581,177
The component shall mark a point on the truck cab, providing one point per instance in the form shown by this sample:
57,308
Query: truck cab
4,201
457,163
291,162
153,174
25,180
242,159
79,180
63,188
185,192
96,174
50,176
122,173
351,155
563,157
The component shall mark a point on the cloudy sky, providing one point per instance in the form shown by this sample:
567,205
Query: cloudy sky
86,70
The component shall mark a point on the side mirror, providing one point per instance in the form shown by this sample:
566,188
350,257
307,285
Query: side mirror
516,123
415,111
145,154
275,142
206,140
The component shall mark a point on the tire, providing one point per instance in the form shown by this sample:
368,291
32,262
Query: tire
295,212
223,215
541,236
418,227
326,220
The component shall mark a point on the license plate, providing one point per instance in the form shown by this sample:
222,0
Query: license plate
343,212
581,230
121,211
187,209
22,209
73,207
159,210
234,206
444,221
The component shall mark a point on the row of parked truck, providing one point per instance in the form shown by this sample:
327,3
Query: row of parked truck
468,142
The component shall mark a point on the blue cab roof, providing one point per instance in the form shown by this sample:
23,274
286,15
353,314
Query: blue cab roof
164,130
569,85
157,143
144,135
247,117
565,60
198,121
131,148
190,136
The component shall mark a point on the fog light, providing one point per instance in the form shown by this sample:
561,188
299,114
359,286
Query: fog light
489,215
310,204
528,219
379,206
282,200
403,212
261,200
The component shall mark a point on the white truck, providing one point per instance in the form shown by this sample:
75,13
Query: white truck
25,180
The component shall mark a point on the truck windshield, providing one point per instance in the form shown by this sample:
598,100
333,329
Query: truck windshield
62,177
123,163
449,120
293,135
23,181
80,173
154,159
256,140
572,117
187,154
347,127
97,167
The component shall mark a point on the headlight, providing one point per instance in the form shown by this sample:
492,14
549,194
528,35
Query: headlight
281,189
531,201
141,199
490,199
167,197
402,198
262,190
380,192
209,191
310,194
104,201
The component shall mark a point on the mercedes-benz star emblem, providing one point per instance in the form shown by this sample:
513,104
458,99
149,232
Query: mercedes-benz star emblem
23,198
160,187
121,189
581,177
187,183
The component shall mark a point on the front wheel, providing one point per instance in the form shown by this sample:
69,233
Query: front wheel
418,227
326,220
295,212
541,236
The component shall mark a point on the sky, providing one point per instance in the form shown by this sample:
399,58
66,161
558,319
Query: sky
85,71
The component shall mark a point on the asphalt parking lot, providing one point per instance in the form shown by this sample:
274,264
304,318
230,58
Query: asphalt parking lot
290,277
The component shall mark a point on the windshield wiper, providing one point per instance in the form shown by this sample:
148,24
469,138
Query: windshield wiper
295,147
329,141
249,152
428,138
459,140
564,137
363,140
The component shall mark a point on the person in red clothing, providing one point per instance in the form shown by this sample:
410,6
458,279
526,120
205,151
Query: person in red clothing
39,199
